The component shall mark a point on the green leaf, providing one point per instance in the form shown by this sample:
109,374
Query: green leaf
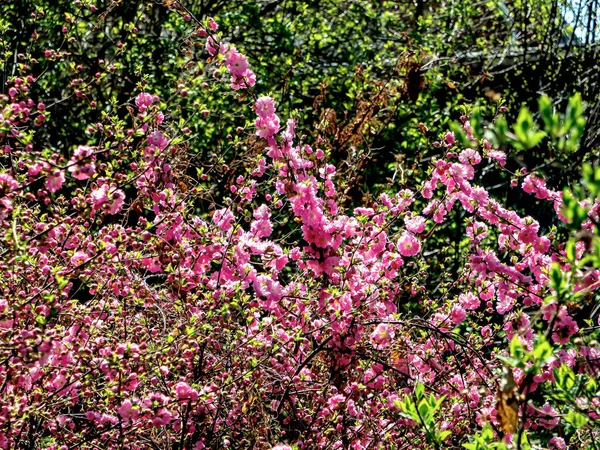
442,435
535,138
576,419
512,362
41,320
487,432
542,350
571,251
425,411
419,390
556,277
516,348
545,105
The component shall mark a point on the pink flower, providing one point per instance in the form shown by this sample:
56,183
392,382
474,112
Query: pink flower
497,155
382,335
55,181
457,315
476,230
6,206
212,24
163,417
35,169
486,332
79,258
267,127
158,139
223,218
108,198
408,244
261,228
469,301
128,411
185,392
212,46
469,156
236,63
7,184
528,235
557,443
81,164
246,80
265,107
143,101
415,224
336,400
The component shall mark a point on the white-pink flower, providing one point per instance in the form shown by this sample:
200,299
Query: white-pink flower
79,258
415,224
469,301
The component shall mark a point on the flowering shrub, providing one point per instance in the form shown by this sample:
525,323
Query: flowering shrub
131,318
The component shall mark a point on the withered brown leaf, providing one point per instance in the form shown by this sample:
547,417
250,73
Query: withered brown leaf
507,408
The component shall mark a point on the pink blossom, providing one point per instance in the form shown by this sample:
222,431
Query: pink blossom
108,198
6,206
267,127
79,258
7,184
236,63
213,46
158,139
265,107
382,335
55,181
486,332
223,218
469,156
457,315
557,443
334,401
128,411
469,301
163,417
477,230
35,169
497,155
245,81
81,164
408,244
144,100
415,224
185,392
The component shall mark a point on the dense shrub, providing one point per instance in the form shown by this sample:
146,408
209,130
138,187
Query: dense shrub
185,266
